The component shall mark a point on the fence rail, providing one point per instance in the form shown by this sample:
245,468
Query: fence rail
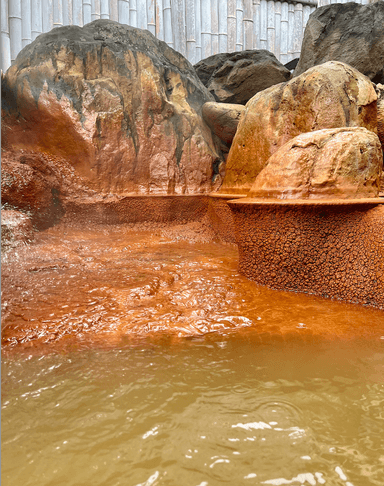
196,28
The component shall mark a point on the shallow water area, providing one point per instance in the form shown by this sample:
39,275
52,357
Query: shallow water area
142,357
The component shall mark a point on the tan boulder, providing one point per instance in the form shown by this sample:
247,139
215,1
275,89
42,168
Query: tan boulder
342,163
332,95
223,119
121,107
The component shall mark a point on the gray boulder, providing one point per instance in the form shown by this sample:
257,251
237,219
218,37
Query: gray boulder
237,76
349,33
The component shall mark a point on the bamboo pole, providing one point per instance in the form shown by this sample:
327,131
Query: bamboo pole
306,14
87,11
159,19
239,25
104,9
291,23
271,26
5,39
142,22
26,18
248,24
256,24
190,30
124,12
277,29
130,15
178,16
151,18
167,16
114,10
95,9
206,40
298,30
15,28
284,34
215,26
67,12
47,14
223,26
77,12
231,25
263,24
198,30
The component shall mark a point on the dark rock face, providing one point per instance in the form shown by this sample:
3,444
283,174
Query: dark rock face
223,119
350,33
236,77
115,107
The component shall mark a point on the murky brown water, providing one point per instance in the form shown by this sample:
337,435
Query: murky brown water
139,358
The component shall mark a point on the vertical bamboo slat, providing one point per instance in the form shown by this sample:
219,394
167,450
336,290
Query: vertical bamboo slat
168,34
114,10
263,24
239,25
298,30
95,12
104,9
159,19
132,9
284,33
178,20
277,29
87,11
198,30
5,39
248,24
67,12
190,28
291,21
306,14
26,17
77,12
142,22
151,19
231,25
124,12
47,15
215,26
256,24
14,13
271,26
223,13
206,42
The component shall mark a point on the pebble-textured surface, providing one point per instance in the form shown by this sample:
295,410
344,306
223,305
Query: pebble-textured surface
331,251
221,219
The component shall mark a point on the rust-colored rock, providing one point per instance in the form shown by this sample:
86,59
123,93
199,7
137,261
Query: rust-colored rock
119,106
337,163
332,95
223,119
16,228
30,184
334,251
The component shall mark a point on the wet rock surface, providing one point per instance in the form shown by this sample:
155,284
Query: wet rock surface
118,106
16,228
337,163
223,119
329,96
237,76
349,33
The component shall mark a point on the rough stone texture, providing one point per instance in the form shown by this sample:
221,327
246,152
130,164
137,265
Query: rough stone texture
332,95
221,219
30,184
223,119
349,33
16,228
338,163
331,251
235,77
117,105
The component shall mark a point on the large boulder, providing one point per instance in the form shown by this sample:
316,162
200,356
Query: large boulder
344,163
223,119
332,95
237,76
349,33
117,105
